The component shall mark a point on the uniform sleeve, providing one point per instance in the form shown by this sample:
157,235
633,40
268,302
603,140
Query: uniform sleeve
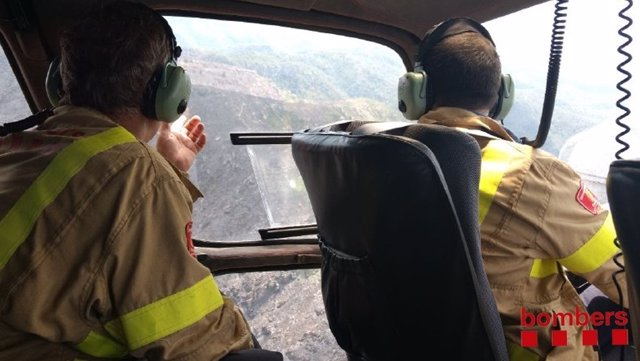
578,232
163,303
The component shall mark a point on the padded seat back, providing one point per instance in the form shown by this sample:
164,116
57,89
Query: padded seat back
623,193
397,212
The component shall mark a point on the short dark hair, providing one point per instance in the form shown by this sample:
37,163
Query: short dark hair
108,58
464,70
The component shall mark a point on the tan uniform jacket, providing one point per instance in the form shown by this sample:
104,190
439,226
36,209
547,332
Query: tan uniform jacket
94,259
537,219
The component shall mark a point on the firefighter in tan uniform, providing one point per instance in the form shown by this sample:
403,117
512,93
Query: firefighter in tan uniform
95,225
538,219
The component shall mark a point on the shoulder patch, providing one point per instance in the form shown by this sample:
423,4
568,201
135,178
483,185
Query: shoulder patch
588,200
187,231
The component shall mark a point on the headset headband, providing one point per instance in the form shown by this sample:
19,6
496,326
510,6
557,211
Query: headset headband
176,50
448,28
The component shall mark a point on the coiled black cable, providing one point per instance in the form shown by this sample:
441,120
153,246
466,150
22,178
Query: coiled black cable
625,129
557,38
26,123
627,76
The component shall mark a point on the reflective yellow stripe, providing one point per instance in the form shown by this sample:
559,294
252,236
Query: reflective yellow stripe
593,254
17,224
519,353
542,268
496,157
168,315
98,345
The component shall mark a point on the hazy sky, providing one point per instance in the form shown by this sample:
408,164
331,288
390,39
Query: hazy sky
588,66
590,42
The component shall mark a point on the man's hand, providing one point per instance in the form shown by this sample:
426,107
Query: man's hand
180,147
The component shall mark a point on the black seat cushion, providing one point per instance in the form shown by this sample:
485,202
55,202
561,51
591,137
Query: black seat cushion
398,226
623,193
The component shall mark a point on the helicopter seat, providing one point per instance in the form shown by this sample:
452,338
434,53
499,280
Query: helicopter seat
397,211
623,193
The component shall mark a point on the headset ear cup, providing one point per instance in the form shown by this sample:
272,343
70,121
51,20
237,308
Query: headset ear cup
53,82
172,93
414,98
506,97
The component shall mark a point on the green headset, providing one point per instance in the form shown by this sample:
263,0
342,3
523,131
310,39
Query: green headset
415,94
168,91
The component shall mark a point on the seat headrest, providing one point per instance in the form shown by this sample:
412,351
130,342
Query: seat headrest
380,127
360,127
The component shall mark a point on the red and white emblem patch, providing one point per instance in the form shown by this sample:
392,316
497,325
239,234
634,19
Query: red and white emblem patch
187,231
588,200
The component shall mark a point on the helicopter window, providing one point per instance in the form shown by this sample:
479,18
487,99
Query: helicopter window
253,77
14,105
259,78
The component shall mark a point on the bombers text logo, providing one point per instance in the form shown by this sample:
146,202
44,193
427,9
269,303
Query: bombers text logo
589,336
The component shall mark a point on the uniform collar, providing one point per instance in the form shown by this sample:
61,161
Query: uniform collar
69,116
458,117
